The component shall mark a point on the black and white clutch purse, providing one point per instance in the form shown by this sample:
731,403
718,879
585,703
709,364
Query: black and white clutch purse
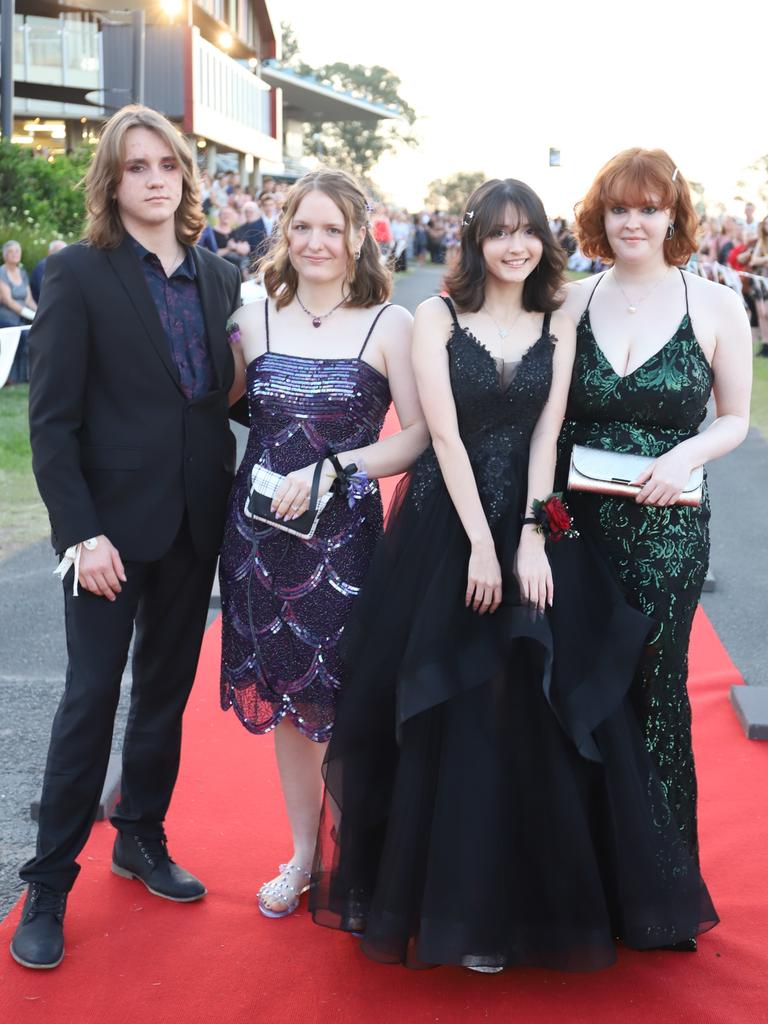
265,485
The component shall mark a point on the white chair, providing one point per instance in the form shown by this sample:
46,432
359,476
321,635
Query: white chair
9,342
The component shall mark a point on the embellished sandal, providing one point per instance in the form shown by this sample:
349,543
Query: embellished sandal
283,890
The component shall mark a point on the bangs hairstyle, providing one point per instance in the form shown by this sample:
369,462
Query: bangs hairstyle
104,229
636,178
369,282
488,205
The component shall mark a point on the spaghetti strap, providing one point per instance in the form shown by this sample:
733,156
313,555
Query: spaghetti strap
592,293
545,325
370,329
452,308
266,320
685,286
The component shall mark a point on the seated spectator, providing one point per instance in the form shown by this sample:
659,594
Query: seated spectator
728,237
709,233
250,239
269,211
17,304
226,222
207,239
36,280
749,227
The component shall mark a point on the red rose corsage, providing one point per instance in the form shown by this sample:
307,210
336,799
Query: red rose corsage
552,518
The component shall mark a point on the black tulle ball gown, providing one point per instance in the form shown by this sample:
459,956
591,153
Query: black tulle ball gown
489,797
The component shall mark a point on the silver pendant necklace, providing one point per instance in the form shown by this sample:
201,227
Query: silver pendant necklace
503,332
317,318
632,306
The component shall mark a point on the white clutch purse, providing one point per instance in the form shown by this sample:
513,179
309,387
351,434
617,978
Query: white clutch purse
258,504
605,472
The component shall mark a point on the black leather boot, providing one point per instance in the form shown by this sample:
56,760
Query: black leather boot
149,862
38,941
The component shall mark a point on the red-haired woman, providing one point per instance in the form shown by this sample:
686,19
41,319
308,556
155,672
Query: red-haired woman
652,343
319,358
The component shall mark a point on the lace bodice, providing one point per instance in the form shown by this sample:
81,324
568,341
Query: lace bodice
496,420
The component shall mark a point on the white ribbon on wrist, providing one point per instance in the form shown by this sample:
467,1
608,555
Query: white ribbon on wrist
72,557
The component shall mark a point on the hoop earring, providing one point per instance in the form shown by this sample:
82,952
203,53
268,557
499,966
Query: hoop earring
357,253
670,232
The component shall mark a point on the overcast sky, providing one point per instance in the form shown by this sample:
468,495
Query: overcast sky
497,83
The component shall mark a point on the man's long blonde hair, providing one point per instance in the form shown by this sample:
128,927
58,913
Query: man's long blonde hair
104,229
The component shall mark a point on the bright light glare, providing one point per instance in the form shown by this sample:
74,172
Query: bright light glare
225,40
171,8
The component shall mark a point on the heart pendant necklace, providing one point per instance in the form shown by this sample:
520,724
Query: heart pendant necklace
318,318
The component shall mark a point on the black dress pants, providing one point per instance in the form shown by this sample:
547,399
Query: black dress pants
168,602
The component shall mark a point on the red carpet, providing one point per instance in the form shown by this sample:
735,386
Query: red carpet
132,957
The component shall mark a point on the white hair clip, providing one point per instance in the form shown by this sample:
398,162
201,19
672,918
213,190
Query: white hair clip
468,218
675,173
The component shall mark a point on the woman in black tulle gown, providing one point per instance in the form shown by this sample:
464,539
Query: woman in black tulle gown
487,787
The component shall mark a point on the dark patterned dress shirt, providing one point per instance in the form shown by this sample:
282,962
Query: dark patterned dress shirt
177,300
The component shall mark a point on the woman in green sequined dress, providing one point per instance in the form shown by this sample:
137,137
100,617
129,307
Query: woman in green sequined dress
653,342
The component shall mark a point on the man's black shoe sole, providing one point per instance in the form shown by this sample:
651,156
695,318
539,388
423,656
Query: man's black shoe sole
125,873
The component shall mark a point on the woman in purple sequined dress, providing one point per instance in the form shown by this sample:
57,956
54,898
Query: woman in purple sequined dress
319,360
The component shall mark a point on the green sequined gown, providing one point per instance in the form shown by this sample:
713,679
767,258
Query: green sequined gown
660,555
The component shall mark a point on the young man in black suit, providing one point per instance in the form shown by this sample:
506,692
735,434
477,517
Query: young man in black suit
133,456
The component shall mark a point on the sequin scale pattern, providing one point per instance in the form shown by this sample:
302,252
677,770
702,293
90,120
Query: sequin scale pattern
285,600
659,555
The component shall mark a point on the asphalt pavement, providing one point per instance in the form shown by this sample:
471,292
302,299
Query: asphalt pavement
33,653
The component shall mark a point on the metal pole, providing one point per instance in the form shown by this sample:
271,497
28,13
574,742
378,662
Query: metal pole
6,64
139,51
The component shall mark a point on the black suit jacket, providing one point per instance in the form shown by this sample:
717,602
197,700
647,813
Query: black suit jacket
117,447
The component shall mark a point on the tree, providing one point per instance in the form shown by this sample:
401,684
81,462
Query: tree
451,194
41,200
290,46
354,146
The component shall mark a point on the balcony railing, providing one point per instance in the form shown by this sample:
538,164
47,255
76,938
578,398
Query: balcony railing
61,51
230,105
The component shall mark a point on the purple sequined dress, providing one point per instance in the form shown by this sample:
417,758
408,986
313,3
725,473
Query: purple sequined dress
285,600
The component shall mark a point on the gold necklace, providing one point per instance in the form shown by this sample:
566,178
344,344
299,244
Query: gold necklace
632,306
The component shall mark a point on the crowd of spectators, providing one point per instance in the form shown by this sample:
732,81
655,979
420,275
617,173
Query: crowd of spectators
240,222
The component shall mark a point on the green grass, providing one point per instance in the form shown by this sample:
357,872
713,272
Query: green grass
759,413
23,518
